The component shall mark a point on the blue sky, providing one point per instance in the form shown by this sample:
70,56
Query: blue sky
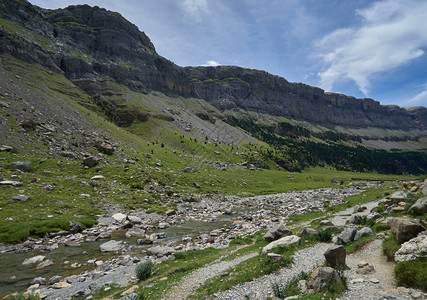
361,48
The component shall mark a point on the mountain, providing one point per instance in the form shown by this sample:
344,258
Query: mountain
72,69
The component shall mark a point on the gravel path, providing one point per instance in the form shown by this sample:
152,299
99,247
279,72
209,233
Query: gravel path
260,288
191,282
366,290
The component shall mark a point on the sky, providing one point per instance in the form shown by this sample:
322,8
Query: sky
361,48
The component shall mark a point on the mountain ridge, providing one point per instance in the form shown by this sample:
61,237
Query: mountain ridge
90,45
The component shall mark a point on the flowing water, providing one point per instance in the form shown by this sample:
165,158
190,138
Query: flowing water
17,277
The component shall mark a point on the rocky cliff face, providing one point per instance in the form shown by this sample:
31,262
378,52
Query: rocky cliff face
91,46
235,87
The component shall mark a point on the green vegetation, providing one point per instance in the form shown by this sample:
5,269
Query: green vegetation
295,155
22,296
143,270
412,273
324,236
253,267
390,247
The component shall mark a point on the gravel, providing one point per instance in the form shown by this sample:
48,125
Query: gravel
197,278
260,288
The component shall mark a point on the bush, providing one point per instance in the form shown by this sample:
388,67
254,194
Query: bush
390,247
143,270
325,236
412,273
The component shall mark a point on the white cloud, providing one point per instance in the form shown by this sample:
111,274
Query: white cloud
195,7
392,33
211,63
420,98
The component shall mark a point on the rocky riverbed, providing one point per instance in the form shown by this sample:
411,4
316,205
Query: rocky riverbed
123,239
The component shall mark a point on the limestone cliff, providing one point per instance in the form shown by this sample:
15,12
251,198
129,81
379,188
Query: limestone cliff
235,87
92,46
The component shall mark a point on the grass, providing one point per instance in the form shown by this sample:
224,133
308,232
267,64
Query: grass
350,201
253,268
183,264
412,273
359,244
390,247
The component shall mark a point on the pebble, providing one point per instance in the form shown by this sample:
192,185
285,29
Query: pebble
375,280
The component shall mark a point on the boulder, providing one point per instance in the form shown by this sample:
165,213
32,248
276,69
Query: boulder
419,207
413,249
355,219
276,232
138,232
405,229
21,165
335,256
11,182
104,147
90,162
21,198
307,231
119,217
283,242
323,277
135,219
111,246
104,235
163,225
276,257
34,260
75,227
55,279
170,212
326,223
160,251
39,280
373,216
363,232
72,244
44,264
60,285
347,236
189,170
28,124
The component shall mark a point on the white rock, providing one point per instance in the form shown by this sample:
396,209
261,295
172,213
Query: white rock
34,260
284,241
98,177
111,246
119,217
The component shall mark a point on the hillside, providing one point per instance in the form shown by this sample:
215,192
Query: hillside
113,159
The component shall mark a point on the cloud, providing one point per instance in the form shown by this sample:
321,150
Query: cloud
194,8
391,34
420,98
211,63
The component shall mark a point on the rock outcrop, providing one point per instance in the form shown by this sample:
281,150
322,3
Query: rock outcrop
92,46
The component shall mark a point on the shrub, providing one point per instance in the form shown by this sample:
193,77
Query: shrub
390,247
412,273
325,236
143,270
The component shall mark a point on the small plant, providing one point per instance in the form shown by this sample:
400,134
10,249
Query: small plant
325,236
390,247
143,270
